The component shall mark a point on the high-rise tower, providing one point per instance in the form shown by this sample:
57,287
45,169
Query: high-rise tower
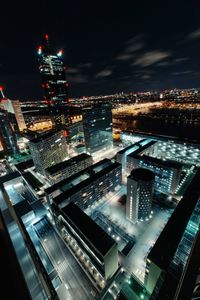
52,71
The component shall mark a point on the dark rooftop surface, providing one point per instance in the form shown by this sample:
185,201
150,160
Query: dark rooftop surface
32,180
22,208
165,247
166,163
67,163
131,146
141,174
9,176
92,233
24,165
44,136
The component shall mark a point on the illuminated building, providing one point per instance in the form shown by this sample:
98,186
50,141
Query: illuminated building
69,167
97,127
170,257
48,149
87,186
93,247
52,71
13,107
8,139
167,173
139,194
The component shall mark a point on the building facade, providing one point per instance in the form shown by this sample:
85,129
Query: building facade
93,247
97,127
14,107
87,186
8,139
139,194
48,149
167,173
52,71
68,168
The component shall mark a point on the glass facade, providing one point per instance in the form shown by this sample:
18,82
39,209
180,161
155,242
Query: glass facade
8,139
52,71
97,127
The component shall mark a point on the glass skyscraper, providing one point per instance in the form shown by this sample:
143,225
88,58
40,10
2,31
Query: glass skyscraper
97,127
8,139
52,71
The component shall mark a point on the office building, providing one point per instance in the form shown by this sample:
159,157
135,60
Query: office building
52,71
48,149
68,168
8,139
93,247
139,194
13,107
87,186
97,127
142,146
167,173
167,262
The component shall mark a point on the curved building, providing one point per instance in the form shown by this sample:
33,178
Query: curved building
139,194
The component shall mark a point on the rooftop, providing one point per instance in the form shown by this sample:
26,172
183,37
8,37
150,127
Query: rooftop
73,189
142,147
88,230
87,172
166,163
32,180
44,136
24,165
9,176
142,174
67,163
161,253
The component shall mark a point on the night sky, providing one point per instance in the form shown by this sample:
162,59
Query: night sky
110,46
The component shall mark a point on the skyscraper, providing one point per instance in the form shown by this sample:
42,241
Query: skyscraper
8,140
48,149
14,108
97,127
139,194
52,71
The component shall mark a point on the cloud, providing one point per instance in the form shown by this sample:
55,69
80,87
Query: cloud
180,59
193,35
182,72
145,76
134,39
77,78
151,57
124,57
104,73
86,65
73,71
163,64
134,47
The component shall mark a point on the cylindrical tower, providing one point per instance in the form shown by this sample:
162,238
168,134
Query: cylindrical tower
139,194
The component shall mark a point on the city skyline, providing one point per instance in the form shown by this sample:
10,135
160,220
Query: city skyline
108,48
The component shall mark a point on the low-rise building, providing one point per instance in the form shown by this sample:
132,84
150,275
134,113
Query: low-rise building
68,167
87,186
93,247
